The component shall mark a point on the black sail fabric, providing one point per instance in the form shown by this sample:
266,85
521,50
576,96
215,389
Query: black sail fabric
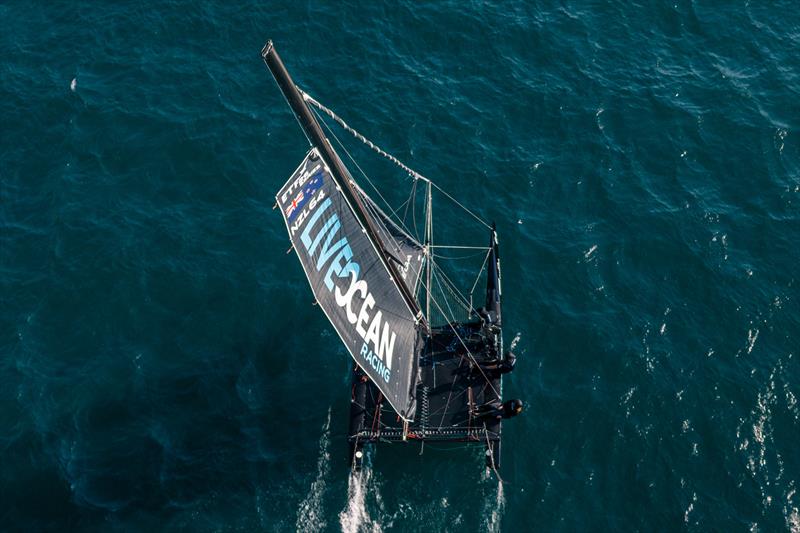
401,247
350,283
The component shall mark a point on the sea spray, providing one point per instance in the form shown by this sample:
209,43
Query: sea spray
310,514
494,501
354,517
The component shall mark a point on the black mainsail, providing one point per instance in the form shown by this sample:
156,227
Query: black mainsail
400,386
402,248
358,295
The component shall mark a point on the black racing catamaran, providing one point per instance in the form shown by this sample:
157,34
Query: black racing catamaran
414,380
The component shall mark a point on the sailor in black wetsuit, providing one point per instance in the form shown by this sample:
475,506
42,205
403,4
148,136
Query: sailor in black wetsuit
493,369
496,410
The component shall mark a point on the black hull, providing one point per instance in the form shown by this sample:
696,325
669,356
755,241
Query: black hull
451,386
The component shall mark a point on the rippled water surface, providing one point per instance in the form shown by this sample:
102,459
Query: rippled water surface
162,366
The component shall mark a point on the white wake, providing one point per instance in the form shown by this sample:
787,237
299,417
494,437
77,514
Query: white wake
310,514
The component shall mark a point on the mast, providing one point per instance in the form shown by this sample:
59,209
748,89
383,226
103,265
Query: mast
339,173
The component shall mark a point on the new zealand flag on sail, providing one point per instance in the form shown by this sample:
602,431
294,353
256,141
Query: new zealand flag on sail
312,185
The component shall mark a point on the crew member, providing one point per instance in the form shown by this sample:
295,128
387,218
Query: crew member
495,410
494,369
487,317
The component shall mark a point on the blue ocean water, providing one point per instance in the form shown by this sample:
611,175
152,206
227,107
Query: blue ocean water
162,366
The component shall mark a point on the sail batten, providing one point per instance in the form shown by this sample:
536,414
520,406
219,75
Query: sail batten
359,296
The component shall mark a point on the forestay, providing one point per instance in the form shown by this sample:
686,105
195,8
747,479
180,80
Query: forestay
350,282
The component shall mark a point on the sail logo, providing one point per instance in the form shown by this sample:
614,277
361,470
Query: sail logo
336,259
298,221
308,191
405,267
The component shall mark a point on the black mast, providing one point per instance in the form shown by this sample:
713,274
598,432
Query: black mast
340,174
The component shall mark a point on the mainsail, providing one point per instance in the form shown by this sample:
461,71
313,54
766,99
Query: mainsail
401,247
351,283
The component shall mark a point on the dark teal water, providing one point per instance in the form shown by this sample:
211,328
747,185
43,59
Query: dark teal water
162,366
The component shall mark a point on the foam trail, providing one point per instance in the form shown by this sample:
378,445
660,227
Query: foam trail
493,507
515,341
355,517
310,514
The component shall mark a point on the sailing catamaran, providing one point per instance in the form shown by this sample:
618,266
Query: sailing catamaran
370,275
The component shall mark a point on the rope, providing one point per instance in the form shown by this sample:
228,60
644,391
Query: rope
380,151
342,146
478,277
484,248
449,396
412,196
436,278
413,173
453,289
466,348
458,257
462,206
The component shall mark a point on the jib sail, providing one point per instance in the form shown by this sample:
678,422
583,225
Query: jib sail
350,283
401,247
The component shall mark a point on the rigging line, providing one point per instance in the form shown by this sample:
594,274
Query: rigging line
457,257
466,348
414,214
375,213
449,284
471,356
459,204
452,286
436,277
428,242
477,279
404,205
376,209
412,193
342,146
450,395
413,173
460,247
401,206
451,295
